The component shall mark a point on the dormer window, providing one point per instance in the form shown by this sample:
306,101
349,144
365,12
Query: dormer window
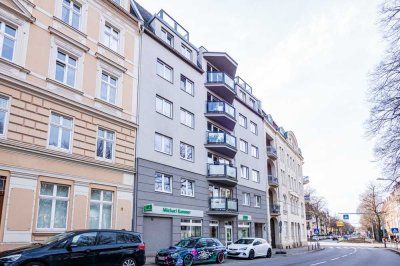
186,52
167,37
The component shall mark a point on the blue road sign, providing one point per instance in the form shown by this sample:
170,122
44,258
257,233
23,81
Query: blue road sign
316,231
395,230
345,216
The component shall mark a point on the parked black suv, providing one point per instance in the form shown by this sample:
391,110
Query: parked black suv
83,248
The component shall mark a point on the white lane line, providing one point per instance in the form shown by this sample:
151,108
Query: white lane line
336,258
344,256
322,262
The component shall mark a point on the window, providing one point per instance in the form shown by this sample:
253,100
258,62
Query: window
254,151
244,172
66,68
167,37
242,95
4,107
111,37
84,240
246,199
60,132
187,188
163,183
118,2
164,71
163,144
252,103
253,127
190,228
186,52
257,202
125,238
71,13
101,202
187,85
255,176
107,238
163,106
187,118
7,40
53,207
213,229
186,151
243,146
105,144
242,121
108,91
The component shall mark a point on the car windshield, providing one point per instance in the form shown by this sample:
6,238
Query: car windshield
247,241
56,238
187,243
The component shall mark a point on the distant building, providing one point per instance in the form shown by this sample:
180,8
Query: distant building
391,210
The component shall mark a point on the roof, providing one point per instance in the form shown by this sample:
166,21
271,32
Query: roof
144,12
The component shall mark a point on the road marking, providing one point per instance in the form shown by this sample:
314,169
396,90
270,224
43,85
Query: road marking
344,256
322,262
336,258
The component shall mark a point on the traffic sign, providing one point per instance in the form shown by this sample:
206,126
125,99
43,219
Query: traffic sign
316,231
395,230
339,224
345,216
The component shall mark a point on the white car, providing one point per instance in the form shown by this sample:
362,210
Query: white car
250,247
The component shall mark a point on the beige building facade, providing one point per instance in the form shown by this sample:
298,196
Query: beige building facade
68,121
391,211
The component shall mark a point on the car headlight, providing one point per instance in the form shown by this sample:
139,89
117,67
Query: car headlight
10,258
243,248
174,255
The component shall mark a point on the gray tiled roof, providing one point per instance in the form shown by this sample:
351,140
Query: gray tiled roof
145,14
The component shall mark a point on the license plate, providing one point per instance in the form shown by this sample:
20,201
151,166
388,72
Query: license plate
160,258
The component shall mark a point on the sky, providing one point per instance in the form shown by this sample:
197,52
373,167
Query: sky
308,62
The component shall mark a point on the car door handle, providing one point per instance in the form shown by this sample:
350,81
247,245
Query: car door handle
121,247
88,250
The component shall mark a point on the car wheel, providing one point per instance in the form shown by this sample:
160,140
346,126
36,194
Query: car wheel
188,260
34,264
251,255
220,257
128,262
269,253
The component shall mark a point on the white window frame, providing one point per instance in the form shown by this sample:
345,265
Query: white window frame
242,95
255,176
60,127
3,35
186,114
109,86
252,103
163,176
243,119
186,147
161,65
186,182
102,202
186,52
54,198
105,140
254,151
246,199
6,110
164,104
110,32
164,36
67,67
71,11
186,81
257,201
192,224
245,145
247,171
163,139
253,128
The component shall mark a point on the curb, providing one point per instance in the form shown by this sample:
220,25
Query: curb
397,251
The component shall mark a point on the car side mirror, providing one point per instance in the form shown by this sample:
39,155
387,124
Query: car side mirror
70,246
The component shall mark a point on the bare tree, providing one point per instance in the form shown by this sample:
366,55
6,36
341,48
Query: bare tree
316,206
384,96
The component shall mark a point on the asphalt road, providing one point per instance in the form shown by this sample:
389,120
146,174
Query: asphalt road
331,255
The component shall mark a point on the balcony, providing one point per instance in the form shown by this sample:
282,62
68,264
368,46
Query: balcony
175,26
275,210
240,82
273,181
221,84
222,173
221,61
271,152
307,198
222,113
221,142
306,180
223,206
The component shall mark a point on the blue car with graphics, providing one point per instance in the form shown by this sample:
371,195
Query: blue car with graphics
192,250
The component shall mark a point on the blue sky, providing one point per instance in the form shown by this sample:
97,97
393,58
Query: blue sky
308,61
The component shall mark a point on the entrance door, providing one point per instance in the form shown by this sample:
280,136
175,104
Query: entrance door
273,236
228,235
157,233
259,230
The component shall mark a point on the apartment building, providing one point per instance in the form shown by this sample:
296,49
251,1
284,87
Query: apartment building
68,121
286,192
391,210
199,170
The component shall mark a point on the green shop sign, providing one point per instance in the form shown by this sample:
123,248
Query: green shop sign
151,208
244,217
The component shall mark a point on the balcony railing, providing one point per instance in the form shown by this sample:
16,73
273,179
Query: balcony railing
220,77
239,81
275,209
173,24
224,170
223,204
221,107
222,138
273,180
271,151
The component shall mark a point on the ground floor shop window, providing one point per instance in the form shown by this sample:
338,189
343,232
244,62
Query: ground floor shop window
243,230
214,229
190,228
100,209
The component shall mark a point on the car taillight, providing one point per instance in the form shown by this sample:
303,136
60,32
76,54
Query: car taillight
141,247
